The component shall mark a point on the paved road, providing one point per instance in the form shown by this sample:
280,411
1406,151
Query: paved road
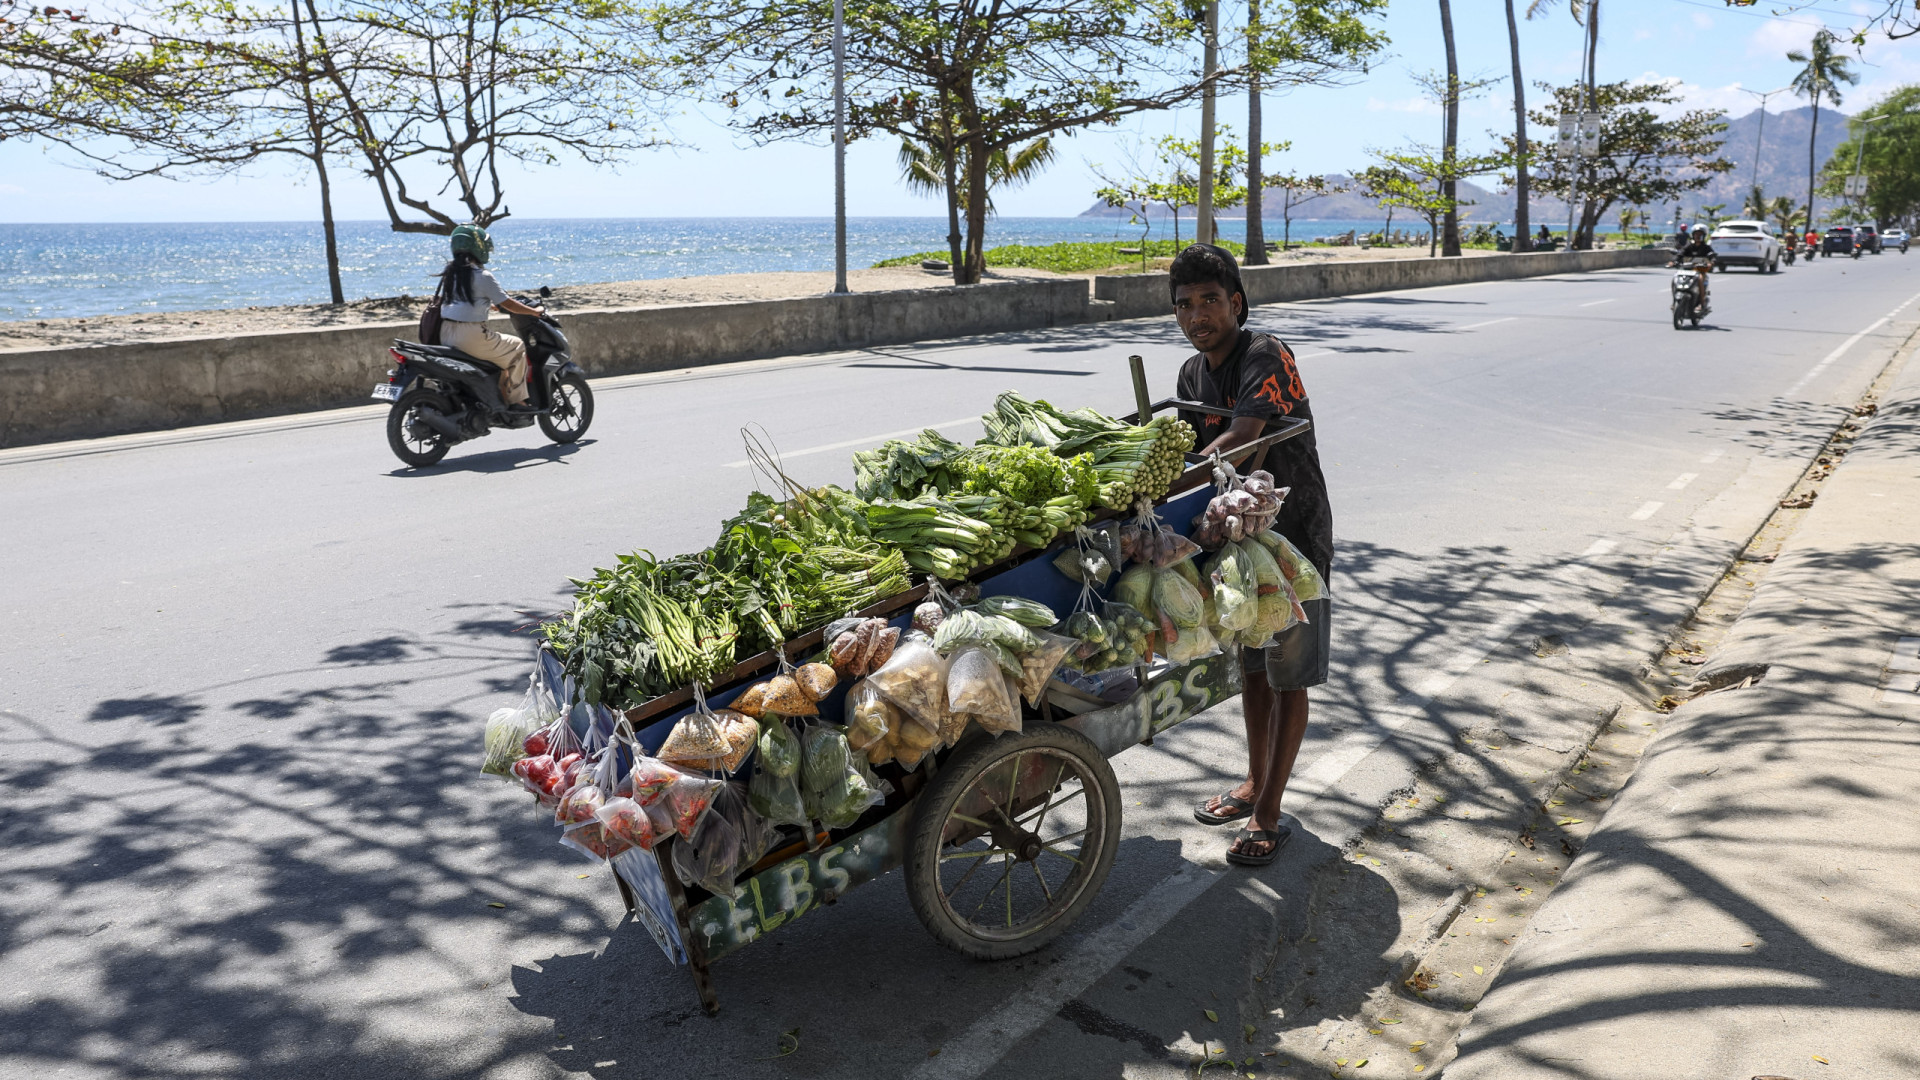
243,670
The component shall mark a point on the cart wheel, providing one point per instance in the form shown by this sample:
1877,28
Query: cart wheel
1012,840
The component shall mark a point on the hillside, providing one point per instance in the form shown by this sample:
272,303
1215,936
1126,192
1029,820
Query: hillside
1783,171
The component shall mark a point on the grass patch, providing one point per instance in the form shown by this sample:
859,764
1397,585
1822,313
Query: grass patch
1067,257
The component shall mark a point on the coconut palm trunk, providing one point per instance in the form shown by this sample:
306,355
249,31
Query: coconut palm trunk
1449,187
1522,240
1256,192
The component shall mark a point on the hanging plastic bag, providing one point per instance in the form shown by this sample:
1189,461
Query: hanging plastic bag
1029,613
870,717
976,685
915,681
1298,569
705,739
685,796
592,839
777,798
714,854
1236,596
1147,539
552,763
1037,667
824,756
779,747
625,821
509,729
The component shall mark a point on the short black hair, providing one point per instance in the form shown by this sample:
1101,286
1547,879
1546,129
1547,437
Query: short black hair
1205,264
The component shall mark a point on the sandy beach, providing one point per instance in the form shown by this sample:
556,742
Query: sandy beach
655,292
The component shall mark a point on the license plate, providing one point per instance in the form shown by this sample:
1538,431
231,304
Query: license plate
386,392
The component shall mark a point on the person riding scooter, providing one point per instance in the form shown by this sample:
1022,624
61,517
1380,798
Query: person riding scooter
467,294
1698,248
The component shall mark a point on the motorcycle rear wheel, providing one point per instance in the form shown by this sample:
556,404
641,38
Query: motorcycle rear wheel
416,452
569,409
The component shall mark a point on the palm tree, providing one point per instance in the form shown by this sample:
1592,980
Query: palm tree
1522,241
926,168
1755,206
1256,249
1450,146
1818,78
1783,213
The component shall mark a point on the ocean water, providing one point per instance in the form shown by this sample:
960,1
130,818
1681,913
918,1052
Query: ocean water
85,270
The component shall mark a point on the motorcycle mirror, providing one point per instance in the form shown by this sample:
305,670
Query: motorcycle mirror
545,291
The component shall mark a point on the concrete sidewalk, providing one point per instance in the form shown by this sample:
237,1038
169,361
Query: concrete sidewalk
1750,905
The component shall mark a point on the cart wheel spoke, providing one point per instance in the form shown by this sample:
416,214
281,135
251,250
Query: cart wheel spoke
1005,875
1042,810
1042,878
958,816
963,878
973,854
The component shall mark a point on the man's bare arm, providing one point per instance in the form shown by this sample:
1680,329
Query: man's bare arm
1243,430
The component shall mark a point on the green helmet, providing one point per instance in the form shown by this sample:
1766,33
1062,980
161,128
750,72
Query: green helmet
474,241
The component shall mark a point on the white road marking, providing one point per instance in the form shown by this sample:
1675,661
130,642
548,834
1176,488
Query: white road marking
1597,303
1680,482
1489,322
988,1040
1312,355
865,440
1647,510
1713,456
1468,658
1598,547
1814,372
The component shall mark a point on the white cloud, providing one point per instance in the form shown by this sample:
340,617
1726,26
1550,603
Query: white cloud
1732,98
1419,105
1703,20
1773,38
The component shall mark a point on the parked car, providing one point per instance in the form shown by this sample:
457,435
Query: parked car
1868,238
1896,238
1837,241
1746,243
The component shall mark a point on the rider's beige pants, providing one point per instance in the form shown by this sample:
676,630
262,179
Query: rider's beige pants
509,352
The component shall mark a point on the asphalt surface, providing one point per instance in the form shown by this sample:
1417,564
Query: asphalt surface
243,672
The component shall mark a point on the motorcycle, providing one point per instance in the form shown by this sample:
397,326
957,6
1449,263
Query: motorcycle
1687,306
442,396
1789,254
1858,247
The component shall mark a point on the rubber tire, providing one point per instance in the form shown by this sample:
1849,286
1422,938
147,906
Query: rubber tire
586,410
1680,316
930,816
396,435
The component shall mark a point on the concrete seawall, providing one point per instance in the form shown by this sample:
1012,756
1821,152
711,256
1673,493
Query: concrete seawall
1136,296
78,392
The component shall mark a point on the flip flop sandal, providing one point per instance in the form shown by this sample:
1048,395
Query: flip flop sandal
1275,840
1237,809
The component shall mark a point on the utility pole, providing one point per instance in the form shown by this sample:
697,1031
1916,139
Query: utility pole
1760,140
1857,183
839,147
1204,227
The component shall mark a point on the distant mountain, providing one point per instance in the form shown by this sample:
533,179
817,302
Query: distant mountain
1783,171
1783,157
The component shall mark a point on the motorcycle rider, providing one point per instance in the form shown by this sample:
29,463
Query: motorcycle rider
1813,243
468,292
1698,248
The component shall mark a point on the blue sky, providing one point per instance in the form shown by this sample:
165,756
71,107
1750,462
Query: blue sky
1711,50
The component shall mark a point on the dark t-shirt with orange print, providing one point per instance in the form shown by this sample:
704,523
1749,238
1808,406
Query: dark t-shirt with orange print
1261,379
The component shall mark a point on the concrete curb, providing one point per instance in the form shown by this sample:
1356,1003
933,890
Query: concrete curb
80,392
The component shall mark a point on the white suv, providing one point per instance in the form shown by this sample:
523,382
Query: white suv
1746,243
